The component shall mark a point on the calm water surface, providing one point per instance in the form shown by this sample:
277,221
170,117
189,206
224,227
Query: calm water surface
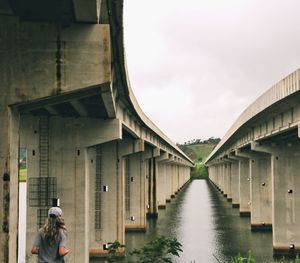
207,226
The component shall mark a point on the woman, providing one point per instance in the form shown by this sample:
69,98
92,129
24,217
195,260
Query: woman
51,240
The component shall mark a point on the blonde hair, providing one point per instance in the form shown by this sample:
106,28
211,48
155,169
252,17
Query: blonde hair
53,226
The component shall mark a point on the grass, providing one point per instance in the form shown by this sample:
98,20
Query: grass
23,174
251,259
197,152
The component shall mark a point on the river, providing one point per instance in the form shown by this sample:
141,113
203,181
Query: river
207,226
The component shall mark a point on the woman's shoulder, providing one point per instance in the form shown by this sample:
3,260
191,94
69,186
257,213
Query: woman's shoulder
63,232
41,230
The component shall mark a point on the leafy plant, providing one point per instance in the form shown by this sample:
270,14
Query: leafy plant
240,259
158,250
113,251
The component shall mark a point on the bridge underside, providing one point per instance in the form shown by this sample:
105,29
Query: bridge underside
72,130
257,167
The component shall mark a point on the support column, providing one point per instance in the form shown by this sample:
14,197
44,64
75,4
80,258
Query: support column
152,182
135,203
235,182
8,181
68,165
228,180
134,183
106,197
162,190
12,185
168,182
285,166
161,185
260,189
223,179
244,179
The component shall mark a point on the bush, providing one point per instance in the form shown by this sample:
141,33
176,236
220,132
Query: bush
199,171
158,250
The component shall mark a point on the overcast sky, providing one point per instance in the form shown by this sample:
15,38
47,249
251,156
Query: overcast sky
195,65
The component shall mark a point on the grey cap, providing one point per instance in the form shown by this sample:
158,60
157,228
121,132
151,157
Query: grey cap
55,211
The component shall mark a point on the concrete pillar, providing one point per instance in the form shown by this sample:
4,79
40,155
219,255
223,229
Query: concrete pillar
261,192
223,179
68,164
214,175
176,177
13,184
220,177
228,178
151,176
161,185
244,180
285,166
152,188
107,198
9,147
260,189
244,175
227,173
135,192
168,182
173,177
217,176
235,182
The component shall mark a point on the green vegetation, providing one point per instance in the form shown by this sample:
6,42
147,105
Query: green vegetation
23,175
159,250
114,254
199,171
240,259
250,259
198,151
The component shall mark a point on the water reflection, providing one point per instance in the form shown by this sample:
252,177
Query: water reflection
207,226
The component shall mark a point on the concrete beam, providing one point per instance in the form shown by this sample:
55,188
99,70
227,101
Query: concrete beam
257,147
170,160
129,146
108,99
79,108
87,10
151,153
51,110
163,157
91,132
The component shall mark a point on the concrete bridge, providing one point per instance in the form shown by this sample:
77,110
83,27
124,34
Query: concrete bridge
71,126
256,165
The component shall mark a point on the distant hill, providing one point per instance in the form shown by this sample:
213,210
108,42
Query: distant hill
198,150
